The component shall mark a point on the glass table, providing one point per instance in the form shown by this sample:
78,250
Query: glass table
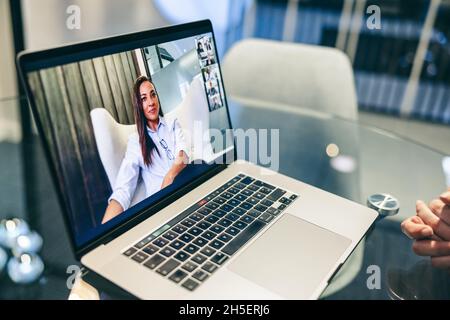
337,155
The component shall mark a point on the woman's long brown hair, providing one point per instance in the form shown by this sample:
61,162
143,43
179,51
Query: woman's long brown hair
146,142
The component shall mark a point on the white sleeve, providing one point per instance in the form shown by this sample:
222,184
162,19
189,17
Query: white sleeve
180,141
128,175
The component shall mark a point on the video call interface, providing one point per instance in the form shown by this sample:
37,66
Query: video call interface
121,128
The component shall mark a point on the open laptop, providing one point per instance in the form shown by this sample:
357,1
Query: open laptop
209,227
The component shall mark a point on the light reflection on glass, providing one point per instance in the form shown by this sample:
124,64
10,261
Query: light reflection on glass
343,163
332,150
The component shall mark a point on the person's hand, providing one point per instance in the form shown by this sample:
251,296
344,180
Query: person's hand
168,180
433,224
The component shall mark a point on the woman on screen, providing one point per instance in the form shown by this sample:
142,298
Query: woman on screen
157,152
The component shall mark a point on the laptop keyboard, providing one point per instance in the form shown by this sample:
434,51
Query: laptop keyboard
193,245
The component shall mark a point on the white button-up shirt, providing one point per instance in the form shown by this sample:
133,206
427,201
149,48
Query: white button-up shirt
152,175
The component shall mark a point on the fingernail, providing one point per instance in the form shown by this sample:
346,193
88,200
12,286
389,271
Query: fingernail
427,232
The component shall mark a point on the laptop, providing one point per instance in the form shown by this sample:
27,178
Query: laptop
140,144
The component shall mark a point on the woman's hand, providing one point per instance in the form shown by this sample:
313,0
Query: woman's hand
179,164
114,209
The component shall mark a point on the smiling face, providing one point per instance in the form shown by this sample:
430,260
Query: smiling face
149,101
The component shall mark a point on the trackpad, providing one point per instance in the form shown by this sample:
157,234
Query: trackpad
291,258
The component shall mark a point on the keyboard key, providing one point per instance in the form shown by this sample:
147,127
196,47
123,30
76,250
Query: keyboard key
259,195
167,267
219,213
212,205
219,200
266,202
186,237
233,202
200,275
224,237
257,183
243,237
274,196
273,211
247,180
253,201
232,231
189,266
143,242
217,229
282,206
204,211
150,249
190,284
293,197
216,244
240,225
227,195
247,219
254,213
177,244
167,251
153,262
182,256
196,216
130,251
241,175
227,207
253,187
268,186
225,222
266,217
179,229
208,251
195,231
239,211
212,219
203,225
209,267
240,185
200,242
219,258
287,202
233,190
232,217
260,208
199,258
170,235
188,223
208,235
160,242
191,248
240,197
140,257
265,190
247,192
177,276
246,205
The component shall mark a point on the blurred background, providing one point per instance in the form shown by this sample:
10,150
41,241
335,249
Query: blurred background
402,74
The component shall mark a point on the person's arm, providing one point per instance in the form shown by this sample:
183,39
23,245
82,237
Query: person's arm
126,182
178,165
114,209
182,155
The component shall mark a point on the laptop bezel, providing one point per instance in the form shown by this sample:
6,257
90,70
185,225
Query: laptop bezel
28,61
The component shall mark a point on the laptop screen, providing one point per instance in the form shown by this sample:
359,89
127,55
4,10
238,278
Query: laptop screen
129,121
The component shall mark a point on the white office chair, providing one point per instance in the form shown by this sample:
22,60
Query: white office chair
266,72
295,78
112,137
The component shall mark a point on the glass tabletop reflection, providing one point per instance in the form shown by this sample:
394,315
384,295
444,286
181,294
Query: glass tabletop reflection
338,155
